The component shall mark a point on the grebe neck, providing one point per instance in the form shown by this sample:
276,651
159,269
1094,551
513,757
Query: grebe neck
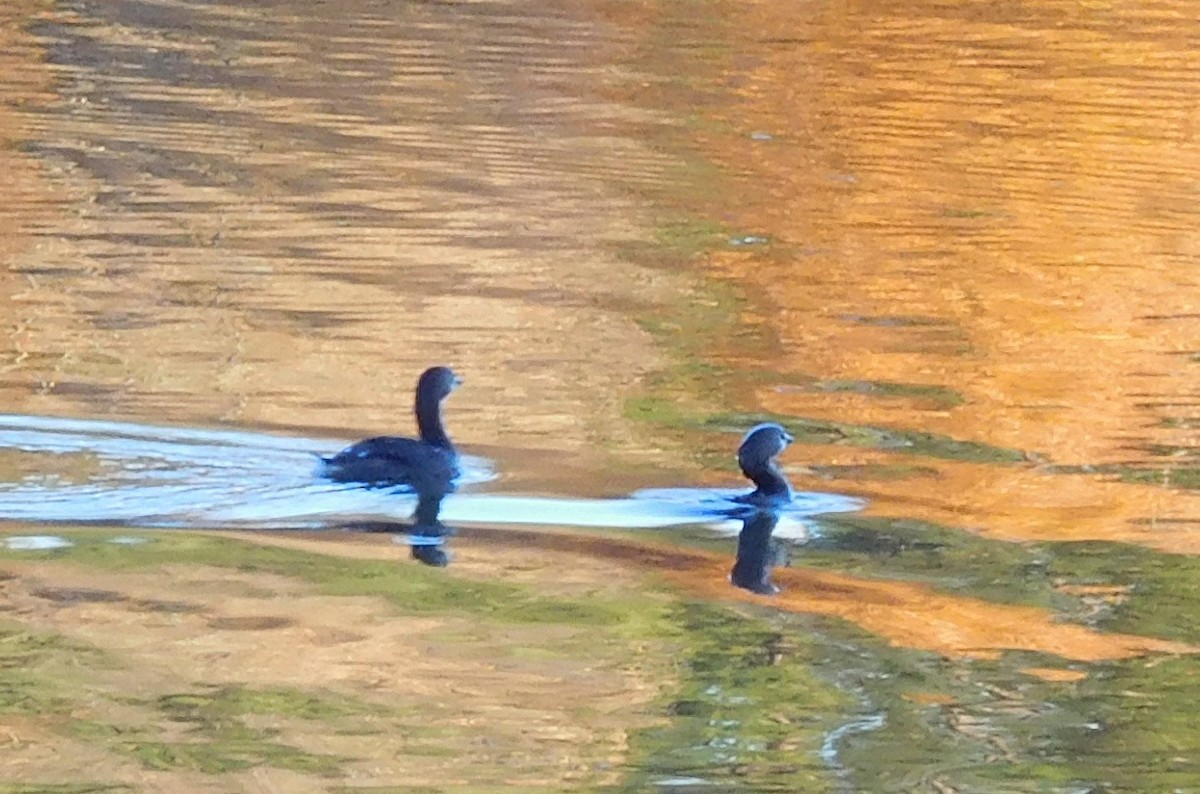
429,423
771,484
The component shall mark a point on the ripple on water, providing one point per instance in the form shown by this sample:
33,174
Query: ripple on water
181,477
219,176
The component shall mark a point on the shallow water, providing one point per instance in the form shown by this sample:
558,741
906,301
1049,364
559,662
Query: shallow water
952,248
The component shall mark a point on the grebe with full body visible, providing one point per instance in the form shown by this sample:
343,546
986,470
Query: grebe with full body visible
429,463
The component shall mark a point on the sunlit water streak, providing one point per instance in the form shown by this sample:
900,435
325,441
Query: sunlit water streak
143,475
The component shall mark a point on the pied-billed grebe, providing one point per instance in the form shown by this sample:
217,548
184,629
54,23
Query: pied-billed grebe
429,463
756,457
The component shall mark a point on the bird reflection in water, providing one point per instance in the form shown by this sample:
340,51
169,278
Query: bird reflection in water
428,536
757,553
759,511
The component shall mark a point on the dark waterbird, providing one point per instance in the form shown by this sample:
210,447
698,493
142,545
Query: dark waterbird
756,457
757,551
429,464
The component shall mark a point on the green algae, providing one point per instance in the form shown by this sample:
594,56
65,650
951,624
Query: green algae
1161,591
669,413
907,442
412,588
691,395
1179,472
686,236
22,649
225,752
708,327
781,703
1140,731
214,705
759,695
21,693
29,669
844,711
966,213
947,558
1126,727
1186,477
936,396
223,730
217,738
874,472
749,714
762,700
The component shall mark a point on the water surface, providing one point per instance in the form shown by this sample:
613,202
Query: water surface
951,247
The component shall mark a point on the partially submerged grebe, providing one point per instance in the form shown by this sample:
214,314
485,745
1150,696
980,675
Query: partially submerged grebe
756,457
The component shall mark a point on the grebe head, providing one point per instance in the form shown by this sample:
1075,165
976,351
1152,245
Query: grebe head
437,383
760,445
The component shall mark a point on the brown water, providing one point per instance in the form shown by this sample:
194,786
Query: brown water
951,246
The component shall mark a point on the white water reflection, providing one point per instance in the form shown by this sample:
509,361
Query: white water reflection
648,509
80,471
35,542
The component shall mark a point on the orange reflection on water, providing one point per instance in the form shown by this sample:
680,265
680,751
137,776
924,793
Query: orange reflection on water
1021,502
230,236
998,200
915,616
26,193
903,613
